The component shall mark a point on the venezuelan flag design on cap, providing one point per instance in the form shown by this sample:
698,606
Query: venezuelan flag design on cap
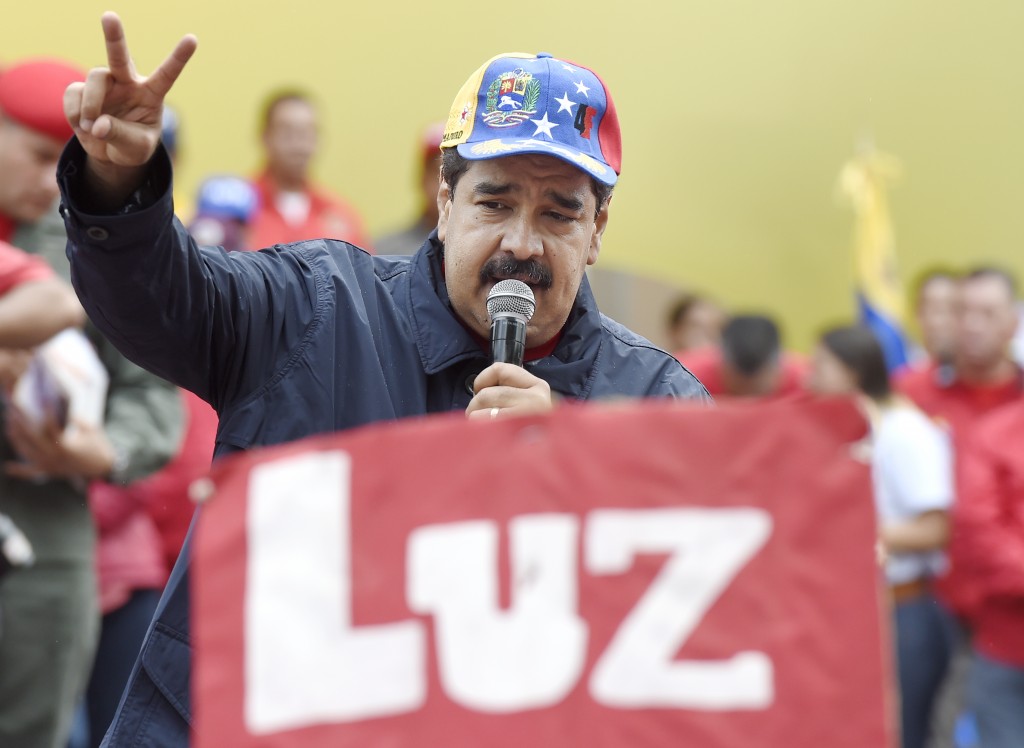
522,103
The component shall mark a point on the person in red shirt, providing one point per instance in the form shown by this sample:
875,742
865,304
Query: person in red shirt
988,550
979,378
747,362
292,207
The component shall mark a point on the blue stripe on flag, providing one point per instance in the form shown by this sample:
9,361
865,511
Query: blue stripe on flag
888,333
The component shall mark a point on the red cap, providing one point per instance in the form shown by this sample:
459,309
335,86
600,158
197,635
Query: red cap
430,140
32,94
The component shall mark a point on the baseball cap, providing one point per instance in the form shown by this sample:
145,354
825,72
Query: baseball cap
32,94
524,103
227,197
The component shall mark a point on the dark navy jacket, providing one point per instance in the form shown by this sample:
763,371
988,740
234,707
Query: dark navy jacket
293,341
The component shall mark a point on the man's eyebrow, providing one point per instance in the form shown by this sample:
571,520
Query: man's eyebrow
566,202
569,203
492,188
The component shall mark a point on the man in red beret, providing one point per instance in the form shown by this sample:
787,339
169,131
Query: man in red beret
50,618
33,131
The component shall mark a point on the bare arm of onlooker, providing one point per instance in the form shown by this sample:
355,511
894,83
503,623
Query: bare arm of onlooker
116,115
49,449
37,310
928,531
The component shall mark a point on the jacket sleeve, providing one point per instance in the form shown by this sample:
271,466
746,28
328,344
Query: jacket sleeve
988,536
219,324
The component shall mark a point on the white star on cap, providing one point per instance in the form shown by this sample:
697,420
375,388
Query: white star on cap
543,125
564,105
570,68
580,88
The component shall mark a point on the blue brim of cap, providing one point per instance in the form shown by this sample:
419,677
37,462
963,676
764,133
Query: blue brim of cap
499,147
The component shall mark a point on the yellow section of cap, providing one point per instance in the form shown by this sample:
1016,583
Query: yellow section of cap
462,115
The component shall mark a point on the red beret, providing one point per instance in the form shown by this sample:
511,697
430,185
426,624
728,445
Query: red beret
32,93
430,141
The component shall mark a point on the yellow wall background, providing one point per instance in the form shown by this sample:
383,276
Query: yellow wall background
736,117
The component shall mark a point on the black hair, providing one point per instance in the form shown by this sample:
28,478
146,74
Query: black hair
998,273
750,342
681,307
453,166
860,351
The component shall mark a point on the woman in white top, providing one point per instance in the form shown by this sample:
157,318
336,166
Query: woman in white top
912,473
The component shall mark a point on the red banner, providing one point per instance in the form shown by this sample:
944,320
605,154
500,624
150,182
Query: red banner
641,575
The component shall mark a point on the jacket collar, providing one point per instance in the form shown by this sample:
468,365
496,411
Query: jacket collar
442,341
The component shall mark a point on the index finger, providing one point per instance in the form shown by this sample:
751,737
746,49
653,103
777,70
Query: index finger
508,375
118,59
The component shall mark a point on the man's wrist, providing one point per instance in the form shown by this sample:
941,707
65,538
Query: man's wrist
111,187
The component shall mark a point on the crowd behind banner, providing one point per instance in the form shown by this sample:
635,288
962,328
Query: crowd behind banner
92,515
947,467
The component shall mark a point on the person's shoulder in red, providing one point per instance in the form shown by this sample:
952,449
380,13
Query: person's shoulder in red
340,220
17,267
916,380
705,363
328,217
792,375
939,392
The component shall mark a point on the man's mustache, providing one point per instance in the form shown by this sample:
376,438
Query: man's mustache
528,271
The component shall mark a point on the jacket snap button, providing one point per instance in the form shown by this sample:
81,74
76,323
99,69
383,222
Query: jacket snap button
97,233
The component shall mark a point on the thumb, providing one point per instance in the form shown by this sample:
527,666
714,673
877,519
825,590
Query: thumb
128,143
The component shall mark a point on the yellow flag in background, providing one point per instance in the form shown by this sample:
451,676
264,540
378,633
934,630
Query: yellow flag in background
863,181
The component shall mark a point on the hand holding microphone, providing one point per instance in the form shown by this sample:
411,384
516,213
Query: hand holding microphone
505,387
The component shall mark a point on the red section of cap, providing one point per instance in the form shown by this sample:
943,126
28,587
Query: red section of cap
32,93
609,135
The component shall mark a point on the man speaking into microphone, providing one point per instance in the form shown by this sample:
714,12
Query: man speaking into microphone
320,336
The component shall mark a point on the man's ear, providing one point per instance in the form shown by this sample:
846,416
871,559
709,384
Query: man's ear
599,226
444,207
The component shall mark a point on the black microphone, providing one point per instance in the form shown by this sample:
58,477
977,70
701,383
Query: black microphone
510,305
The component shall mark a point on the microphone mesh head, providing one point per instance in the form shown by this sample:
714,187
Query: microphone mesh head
511,297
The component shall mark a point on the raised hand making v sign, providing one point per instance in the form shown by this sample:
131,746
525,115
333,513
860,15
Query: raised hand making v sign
116,114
